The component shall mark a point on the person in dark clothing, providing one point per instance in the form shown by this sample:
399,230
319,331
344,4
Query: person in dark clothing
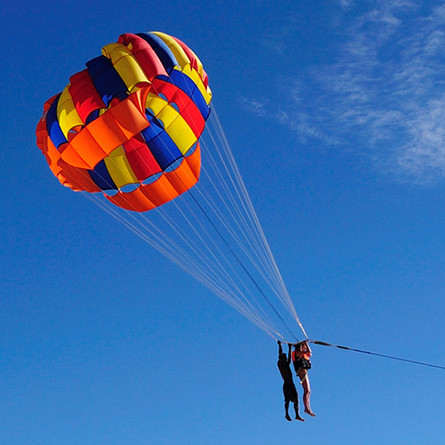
289,390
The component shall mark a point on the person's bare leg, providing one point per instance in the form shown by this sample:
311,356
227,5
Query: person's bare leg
304,378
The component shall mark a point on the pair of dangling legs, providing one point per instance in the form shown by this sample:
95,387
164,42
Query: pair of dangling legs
304,380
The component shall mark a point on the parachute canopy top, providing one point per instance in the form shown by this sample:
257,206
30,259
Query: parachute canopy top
129,124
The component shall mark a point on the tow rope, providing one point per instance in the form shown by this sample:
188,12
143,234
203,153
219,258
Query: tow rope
323,343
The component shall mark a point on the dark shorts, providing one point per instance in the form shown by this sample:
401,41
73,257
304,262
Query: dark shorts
290,392
302,363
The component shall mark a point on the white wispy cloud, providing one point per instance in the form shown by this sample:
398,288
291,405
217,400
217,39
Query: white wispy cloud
385,93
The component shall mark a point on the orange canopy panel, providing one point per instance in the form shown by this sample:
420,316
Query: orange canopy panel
167,187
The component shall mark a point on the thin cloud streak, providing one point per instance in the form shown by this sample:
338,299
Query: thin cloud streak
385,92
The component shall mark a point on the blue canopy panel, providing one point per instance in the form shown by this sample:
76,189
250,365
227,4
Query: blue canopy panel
92,116
182,81
162,51
106,79
101,177
52,125
160,143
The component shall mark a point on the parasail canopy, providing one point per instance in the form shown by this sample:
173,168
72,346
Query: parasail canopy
129,124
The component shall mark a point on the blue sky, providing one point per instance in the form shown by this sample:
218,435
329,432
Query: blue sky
334,111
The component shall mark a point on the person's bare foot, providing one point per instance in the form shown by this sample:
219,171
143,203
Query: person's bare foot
287,417
309,412
299,418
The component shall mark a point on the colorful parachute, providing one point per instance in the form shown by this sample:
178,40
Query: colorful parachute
129,124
